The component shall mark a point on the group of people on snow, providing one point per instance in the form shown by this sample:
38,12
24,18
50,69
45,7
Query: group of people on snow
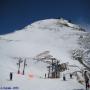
86,78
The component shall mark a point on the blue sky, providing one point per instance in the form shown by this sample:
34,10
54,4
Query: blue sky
16,14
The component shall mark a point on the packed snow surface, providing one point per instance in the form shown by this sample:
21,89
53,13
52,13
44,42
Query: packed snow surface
59,37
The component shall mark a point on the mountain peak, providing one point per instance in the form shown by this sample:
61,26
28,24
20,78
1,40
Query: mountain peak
47,23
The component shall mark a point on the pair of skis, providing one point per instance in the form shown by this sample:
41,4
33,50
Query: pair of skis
19,65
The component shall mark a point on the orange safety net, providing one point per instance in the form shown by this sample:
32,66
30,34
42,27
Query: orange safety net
31,75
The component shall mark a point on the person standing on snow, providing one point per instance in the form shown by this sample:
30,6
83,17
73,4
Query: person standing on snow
86,77
11,76
64,78
70,75
45,75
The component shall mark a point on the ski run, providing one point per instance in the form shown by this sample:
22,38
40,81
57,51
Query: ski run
40,57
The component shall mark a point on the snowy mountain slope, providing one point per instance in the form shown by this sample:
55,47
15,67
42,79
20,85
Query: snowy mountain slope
57,36
84,41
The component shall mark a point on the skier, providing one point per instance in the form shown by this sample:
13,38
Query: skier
86,77
11,76
64,78
45,75
70,75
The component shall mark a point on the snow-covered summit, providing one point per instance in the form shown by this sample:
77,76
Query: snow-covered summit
55,22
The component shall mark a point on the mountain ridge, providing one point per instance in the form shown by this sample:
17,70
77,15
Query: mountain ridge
56,22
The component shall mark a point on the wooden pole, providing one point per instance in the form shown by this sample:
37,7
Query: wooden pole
19,62
24,66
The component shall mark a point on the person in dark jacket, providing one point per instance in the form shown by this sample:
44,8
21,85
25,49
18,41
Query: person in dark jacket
70,75
64,78
86,77
45,75
11,76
